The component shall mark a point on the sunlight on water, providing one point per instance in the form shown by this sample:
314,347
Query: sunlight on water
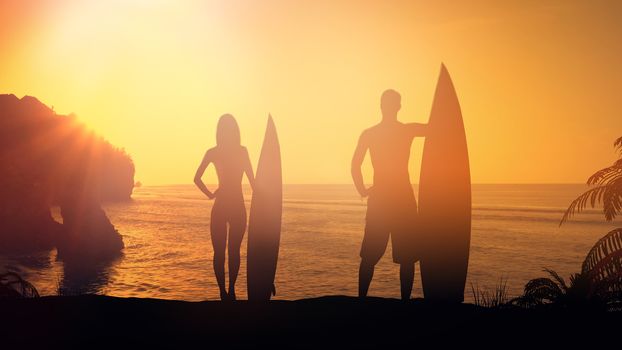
168,250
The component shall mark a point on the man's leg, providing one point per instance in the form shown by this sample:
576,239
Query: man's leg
407,276
374,244
366,273
404,244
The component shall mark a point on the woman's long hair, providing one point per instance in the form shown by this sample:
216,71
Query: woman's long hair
227,132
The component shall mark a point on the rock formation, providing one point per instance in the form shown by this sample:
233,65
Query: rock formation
48,159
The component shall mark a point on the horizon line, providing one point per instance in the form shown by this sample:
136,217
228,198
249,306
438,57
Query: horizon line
344,184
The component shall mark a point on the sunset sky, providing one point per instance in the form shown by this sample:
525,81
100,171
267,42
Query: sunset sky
538,81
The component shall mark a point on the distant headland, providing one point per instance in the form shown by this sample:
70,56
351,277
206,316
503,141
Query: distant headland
50,160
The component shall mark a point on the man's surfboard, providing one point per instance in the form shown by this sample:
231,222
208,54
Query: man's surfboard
445,199
264,227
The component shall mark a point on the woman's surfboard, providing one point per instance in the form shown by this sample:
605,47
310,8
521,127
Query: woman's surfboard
264,227
445,199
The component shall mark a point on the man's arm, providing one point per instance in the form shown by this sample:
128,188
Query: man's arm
357,161
197,176
417,129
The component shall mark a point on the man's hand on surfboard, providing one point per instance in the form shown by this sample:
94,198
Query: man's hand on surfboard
417,129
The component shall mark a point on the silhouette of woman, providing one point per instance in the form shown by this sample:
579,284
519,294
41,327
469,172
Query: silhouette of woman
231,161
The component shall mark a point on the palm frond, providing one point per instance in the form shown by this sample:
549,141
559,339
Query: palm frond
604,175
608,244
560,281
607,190
542,290
593,195
611,283
603,268
612,198
12,285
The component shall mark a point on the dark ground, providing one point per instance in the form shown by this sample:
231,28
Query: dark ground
328,322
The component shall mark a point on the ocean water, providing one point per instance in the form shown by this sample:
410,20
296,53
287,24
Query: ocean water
168,252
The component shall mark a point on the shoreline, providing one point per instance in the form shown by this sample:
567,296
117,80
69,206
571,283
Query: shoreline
90,320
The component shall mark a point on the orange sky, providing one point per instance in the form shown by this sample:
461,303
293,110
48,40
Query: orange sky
537,80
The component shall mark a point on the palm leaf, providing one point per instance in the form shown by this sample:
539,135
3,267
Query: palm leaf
593,195
603,176
603,266
612,198
609,270
560,281
607,190
608,244
11,284
542,289
609,193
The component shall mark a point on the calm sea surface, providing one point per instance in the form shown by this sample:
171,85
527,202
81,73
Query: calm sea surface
168,250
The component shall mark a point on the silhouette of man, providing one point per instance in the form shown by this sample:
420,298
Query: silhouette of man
391,206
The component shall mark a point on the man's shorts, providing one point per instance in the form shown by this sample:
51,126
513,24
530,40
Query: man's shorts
393,216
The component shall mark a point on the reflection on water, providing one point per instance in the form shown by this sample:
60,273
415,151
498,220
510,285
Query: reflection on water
168,249
52,276
19,263
86,277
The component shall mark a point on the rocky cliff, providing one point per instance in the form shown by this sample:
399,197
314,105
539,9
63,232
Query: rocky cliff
48,159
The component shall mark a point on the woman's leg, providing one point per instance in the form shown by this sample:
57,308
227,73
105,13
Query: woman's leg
237,227
218,228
